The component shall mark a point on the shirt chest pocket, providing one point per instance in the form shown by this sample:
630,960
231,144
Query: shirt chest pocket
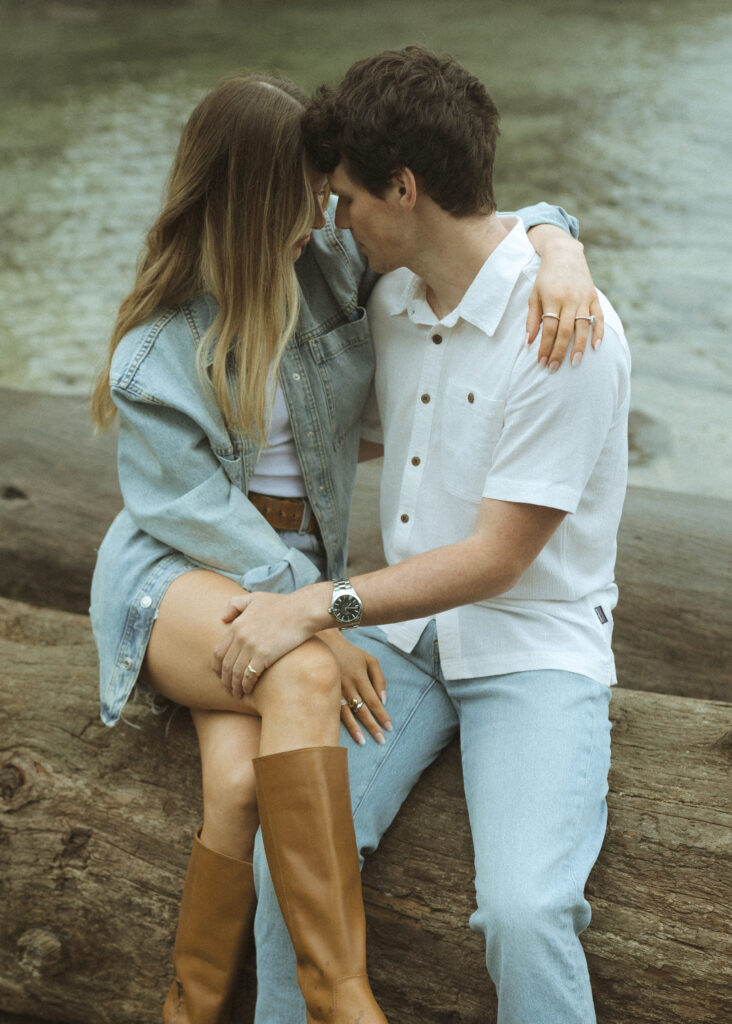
470,428
344,359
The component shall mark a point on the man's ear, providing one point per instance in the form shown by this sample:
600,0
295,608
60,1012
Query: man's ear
405,184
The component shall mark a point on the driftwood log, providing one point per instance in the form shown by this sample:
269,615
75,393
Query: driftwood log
95,824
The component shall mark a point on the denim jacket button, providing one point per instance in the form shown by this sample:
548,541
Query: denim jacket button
145,601
127,663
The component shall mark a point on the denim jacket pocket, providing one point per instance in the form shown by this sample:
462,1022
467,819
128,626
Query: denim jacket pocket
344,358
233,465
471,427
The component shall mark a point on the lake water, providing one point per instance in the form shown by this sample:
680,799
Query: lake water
619,111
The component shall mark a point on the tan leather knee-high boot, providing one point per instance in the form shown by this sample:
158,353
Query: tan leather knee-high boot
307,828
214,933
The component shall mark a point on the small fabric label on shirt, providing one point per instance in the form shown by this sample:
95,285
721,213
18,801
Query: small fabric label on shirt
601,614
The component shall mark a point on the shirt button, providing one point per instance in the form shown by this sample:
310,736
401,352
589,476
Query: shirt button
321,490
311,433
425,399
471,397
296,376
127,663
437,338
145,601
416,460
404,517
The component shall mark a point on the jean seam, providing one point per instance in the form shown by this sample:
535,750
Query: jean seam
579,893
393,744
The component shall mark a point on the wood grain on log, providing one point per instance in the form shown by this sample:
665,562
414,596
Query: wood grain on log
58,495
96,823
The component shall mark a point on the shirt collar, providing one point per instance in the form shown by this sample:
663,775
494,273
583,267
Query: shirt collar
485,301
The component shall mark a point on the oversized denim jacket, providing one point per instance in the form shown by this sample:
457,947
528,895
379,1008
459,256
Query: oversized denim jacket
184,476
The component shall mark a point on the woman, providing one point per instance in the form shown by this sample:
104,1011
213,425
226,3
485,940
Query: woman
239,388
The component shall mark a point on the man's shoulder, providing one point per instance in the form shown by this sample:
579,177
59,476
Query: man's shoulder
603,372
617,344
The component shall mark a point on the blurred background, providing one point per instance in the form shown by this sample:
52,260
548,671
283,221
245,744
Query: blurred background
619,111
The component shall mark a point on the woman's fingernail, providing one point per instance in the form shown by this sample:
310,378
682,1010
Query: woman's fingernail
383,697
379,737
543,361
596,342
388,726
576,359
526,338
359,739
553,367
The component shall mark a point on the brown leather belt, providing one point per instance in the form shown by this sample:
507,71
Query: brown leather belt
284,513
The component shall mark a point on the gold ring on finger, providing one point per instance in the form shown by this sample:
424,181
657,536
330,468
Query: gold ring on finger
251,669
356,704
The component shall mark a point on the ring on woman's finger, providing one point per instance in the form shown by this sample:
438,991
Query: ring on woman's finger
590,319
251,669
554,316
356,704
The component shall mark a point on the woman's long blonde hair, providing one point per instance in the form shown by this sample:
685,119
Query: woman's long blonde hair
238,200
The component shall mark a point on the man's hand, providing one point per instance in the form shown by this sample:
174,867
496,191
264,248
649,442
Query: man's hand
565,295
263,627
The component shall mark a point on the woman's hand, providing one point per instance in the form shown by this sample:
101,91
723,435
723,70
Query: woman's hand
263,627
363,688
563,299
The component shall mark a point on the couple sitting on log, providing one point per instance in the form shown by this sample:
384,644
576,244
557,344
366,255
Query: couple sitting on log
249,379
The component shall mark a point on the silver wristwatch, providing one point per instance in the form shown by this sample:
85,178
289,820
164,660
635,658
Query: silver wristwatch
346,606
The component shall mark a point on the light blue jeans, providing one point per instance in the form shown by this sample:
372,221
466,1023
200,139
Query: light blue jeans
536,753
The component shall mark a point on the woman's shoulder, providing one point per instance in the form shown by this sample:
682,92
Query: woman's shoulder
165,342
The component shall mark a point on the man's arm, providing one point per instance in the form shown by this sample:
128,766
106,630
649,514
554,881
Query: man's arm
507,538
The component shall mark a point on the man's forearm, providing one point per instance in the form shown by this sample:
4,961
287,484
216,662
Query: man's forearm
424,585
487,563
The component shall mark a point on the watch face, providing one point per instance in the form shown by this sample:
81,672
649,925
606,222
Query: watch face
347,608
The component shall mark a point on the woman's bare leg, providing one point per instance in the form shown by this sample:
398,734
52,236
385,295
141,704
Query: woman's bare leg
228,744
300,693
295,704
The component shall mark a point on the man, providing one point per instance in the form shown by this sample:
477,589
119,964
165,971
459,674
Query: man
501,496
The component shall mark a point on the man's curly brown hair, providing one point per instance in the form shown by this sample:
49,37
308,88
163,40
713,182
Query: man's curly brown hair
409,108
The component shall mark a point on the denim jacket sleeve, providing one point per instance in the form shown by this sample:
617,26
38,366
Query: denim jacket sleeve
544,213
187,495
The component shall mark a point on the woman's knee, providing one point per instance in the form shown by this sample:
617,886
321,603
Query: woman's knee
307,674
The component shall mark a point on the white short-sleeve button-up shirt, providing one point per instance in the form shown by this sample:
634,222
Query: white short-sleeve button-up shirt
467,413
